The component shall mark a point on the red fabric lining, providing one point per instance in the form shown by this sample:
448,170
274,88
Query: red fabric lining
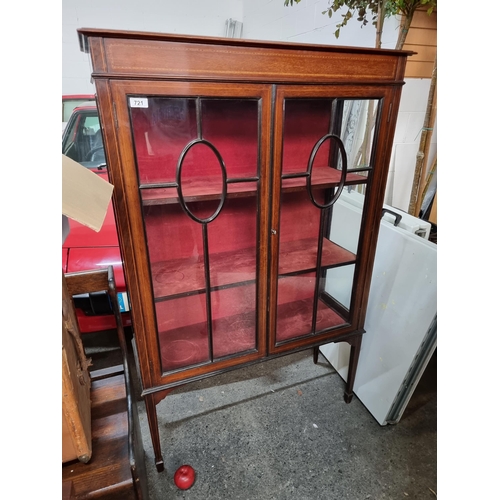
184,337
168,125
175,242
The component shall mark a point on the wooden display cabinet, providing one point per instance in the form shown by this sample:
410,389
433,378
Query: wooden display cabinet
227,157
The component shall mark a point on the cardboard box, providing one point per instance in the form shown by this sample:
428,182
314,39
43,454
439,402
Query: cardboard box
85,198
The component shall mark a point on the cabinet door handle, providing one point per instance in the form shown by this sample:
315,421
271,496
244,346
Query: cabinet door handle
273,232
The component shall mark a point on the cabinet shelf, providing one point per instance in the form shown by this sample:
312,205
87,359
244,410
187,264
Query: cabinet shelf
295,318
199,189
206,188
189,345
299,256
322,178
179,277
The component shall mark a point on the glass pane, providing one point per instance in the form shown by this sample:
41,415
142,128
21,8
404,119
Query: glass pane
297,315
234,320
295,306
346,219
161,131
175,247
338,285
183,338
201,230
297,265
306,121
359,118
232,239
167,125
344,232
316,264
231,125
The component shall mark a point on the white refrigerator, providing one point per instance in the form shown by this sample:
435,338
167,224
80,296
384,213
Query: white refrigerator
401,319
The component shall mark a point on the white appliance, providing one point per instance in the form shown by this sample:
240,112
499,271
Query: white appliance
401,318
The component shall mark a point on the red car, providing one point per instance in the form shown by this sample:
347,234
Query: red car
85,249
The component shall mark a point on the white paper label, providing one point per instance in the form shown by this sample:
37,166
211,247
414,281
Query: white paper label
138,102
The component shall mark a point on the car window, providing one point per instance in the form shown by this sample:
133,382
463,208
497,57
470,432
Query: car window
82,141
68,105
92,124
69,139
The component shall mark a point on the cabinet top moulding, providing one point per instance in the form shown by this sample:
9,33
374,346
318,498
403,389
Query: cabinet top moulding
168,56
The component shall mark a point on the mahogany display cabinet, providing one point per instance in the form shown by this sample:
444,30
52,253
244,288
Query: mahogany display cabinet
227,157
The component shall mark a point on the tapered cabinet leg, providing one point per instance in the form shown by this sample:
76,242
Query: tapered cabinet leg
353,365
315,354
150,401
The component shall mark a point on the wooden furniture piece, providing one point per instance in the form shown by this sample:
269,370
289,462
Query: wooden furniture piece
116,469
68,492
227,157
76,419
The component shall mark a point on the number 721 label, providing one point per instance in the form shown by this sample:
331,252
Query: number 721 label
138,102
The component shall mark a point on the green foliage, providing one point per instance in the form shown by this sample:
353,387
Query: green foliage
365,10
408,7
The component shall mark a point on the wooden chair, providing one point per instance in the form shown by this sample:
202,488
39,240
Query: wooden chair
116,432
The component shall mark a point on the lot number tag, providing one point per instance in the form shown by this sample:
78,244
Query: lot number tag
138,102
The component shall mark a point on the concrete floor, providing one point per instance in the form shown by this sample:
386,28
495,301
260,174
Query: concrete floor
281,430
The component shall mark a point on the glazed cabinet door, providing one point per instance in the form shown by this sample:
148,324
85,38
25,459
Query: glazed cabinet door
325,148
192,209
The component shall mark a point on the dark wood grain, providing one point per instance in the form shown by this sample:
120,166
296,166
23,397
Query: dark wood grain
108,474
162,55
98,33
68,491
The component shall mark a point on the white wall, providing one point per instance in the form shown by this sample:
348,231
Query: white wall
305,23
262,20
407,141
193,17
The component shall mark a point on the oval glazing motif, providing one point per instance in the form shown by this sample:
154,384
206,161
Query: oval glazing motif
343,156
185,192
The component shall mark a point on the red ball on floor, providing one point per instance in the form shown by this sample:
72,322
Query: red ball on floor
184,477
